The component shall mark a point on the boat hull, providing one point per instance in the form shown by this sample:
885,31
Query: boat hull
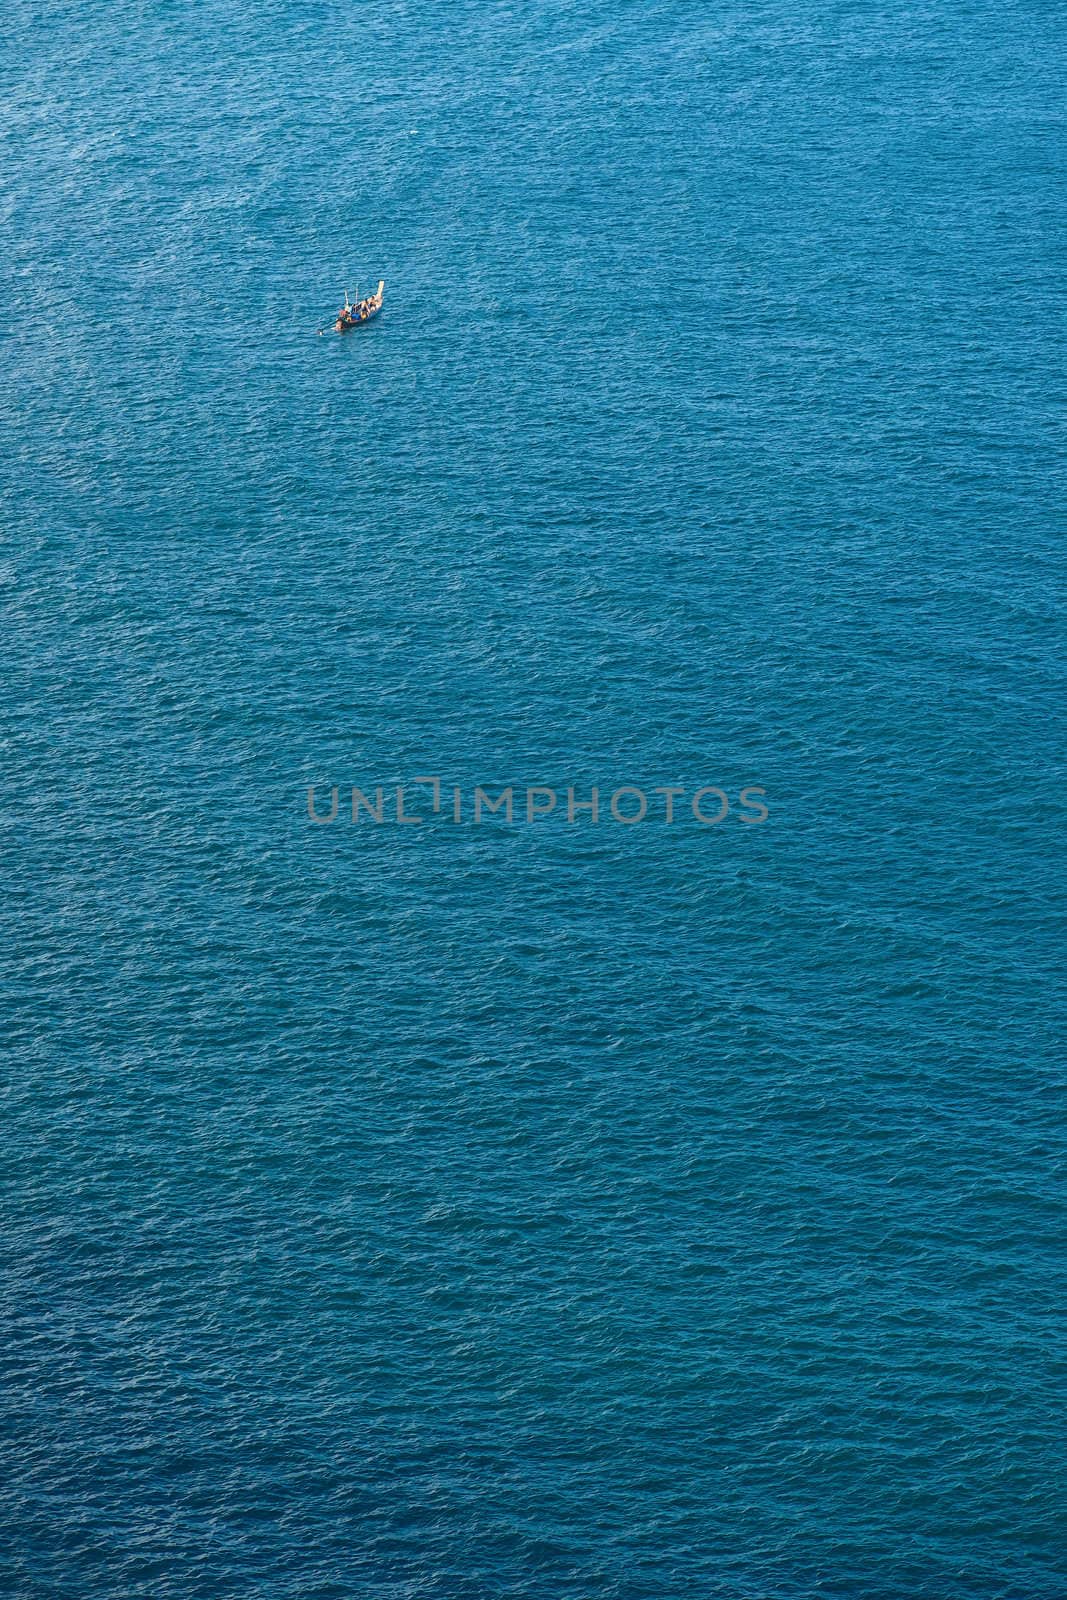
344,323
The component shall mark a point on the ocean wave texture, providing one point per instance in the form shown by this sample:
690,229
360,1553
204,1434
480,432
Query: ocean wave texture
540,1210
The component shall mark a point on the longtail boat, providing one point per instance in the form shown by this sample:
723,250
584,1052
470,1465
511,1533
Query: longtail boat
353,315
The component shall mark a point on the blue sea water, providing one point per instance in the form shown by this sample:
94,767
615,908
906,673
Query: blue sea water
544,1209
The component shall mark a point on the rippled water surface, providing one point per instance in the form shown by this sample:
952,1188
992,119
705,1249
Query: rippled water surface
548,1210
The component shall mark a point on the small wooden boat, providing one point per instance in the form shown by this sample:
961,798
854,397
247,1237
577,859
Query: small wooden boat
354,315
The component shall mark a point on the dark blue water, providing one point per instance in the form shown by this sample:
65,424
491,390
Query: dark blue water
544,1209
